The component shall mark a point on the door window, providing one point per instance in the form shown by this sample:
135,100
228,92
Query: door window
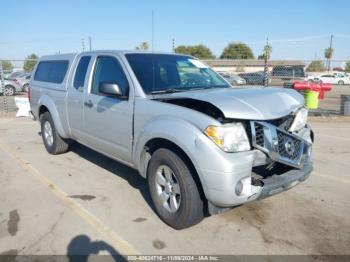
109,70
81,71
51,71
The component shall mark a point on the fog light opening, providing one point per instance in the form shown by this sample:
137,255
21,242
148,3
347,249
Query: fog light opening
239,188
244,187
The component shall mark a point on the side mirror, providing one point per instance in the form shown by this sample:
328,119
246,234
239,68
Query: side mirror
111,89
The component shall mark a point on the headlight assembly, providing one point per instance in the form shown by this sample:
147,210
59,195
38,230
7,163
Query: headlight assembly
229,137
300,120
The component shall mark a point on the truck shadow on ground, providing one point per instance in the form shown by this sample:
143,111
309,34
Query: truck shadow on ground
128,174
81,247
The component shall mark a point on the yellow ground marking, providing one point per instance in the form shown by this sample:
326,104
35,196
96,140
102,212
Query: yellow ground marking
122,246
339,179
335,137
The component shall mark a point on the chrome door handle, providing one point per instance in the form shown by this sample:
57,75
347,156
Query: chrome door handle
88,104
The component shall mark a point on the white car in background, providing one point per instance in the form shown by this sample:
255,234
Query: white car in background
331,78
233,79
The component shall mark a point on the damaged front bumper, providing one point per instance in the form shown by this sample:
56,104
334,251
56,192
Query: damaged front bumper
262,172
278,183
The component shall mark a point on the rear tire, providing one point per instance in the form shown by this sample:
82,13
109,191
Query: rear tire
26,88
341,82
177,200
54,144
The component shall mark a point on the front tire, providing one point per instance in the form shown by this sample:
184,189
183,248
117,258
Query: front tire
341,82
54,144
173,190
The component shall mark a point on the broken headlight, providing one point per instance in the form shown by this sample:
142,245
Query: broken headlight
229,137
300,120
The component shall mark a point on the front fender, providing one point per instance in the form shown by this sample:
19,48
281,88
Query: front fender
178,131
51,106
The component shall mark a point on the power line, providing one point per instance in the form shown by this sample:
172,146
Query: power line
152,30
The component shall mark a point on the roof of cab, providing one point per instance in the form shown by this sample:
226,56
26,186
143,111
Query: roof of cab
58,57
71,56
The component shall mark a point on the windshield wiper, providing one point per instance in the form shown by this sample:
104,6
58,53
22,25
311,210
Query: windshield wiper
199,88
167,91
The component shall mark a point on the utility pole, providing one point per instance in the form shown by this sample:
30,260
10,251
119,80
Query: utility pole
90,39
83,44
329,60
173,45
152,30
266,68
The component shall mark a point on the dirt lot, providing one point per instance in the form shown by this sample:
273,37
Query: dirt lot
83,202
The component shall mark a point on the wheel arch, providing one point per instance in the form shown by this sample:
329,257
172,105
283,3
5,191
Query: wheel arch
47,105
156,143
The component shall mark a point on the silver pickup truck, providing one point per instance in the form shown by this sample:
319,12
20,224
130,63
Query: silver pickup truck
202,145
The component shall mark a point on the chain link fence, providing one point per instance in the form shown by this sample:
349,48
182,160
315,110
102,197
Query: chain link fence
285,73
243,73
14,82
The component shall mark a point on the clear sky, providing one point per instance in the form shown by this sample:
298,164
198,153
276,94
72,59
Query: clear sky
297,29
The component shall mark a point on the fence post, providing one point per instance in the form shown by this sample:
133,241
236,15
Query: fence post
1,78
2,88
266,73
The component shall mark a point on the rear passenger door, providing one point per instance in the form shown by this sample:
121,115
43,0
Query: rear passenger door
76,93
108,120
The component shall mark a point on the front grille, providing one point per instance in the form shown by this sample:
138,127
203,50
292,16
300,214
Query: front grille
288,146
277,143
259,134
283,123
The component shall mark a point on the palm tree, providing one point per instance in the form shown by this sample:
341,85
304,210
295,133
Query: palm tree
328,54
143,46
266,53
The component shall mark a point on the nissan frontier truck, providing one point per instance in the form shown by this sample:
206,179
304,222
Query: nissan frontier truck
202,145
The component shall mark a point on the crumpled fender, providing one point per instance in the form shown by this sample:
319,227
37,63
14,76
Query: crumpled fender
178,131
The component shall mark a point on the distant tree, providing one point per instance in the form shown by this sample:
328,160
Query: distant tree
328,53
266,52
347,67
199,51
7,66
316,66
237,50
143,46
240,68
30,62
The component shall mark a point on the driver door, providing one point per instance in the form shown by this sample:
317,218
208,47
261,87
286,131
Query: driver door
107,119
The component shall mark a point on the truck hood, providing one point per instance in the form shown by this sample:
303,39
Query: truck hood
249,103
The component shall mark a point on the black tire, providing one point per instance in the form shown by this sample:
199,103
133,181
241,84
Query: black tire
25,88
190,211
9,90
58,145
341,82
